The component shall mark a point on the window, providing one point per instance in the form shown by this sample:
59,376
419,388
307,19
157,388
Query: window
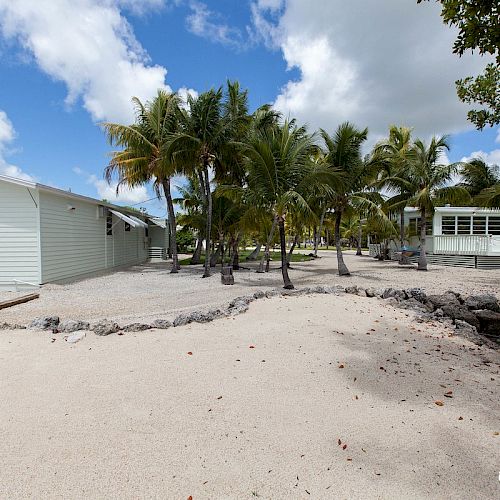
146,232
413,226
417,226
448,224
109,224
494,225
463,224
127,227
479,224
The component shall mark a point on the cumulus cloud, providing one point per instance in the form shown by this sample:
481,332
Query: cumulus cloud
90,46
378,64
492,158
107,191
183,93
7,135
207,24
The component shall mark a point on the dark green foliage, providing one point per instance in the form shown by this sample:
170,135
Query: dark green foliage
185,240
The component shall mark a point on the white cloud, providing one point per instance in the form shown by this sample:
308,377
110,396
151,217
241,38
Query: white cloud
90,46
205,23
7,135
183,93
378,64
491,158
107,191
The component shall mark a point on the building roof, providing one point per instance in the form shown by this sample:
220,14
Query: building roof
68,194
458,210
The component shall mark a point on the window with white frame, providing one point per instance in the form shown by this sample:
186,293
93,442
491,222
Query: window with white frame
448,224
494,225
463,224
479,224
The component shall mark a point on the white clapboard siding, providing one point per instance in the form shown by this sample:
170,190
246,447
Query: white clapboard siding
19,244
72,241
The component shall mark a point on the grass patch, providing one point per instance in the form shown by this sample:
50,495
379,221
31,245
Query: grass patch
275,256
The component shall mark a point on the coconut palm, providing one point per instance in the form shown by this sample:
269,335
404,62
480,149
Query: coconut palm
482,181
204,146
394,156
143,157
354,188
431,181
278,161
193,216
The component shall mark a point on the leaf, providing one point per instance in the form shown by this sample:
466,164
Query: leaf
220,397
340,442
341,366
460,418
190,353
251,347
344,447
439,403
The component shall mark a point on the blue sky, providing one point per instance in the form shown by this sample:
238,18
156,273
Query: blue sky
66,67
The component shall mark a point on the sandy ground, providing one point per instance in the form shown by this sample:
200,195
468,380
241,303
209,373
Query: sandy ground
137,416
144,293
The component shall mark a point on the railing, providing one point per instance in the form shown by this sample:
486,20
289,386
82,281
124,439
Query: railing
462,244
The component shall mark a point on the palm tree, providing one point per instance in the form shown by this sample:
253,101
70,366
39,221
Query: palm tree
143,157
394,156
204,145
431,180
193,216
478,175
354,187
278,161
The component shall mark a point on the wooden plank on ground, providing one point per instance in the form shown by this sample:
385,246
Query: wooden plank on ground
19,300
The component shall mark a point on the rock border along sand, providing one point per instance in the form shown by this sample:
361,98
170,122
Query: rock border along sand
476,317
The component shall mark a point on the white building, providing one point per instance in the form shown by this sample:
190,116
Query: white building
48,235
460,236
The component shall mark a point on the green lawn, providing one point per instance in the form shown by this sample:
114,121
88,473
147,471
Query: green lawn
296,257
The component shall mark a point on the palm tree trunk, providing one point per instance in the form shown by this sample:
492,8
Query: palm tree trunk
402,258
343,271
321,221
236,253
360,236
206,274
327,238
255,253
173,224
315,236
292,248
422,260
196,258
284,268
265,257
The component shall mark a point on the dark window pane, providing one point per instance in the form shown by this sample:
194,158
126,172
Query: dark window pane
479,224
448,224
463,225
109,224
494,225
127,227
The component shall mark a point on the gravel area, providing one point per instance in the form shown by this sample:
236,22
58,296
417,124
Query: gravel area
147,292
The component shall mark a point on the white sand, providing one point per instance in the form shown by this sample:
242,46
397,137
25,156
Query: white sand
135,416
144,293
